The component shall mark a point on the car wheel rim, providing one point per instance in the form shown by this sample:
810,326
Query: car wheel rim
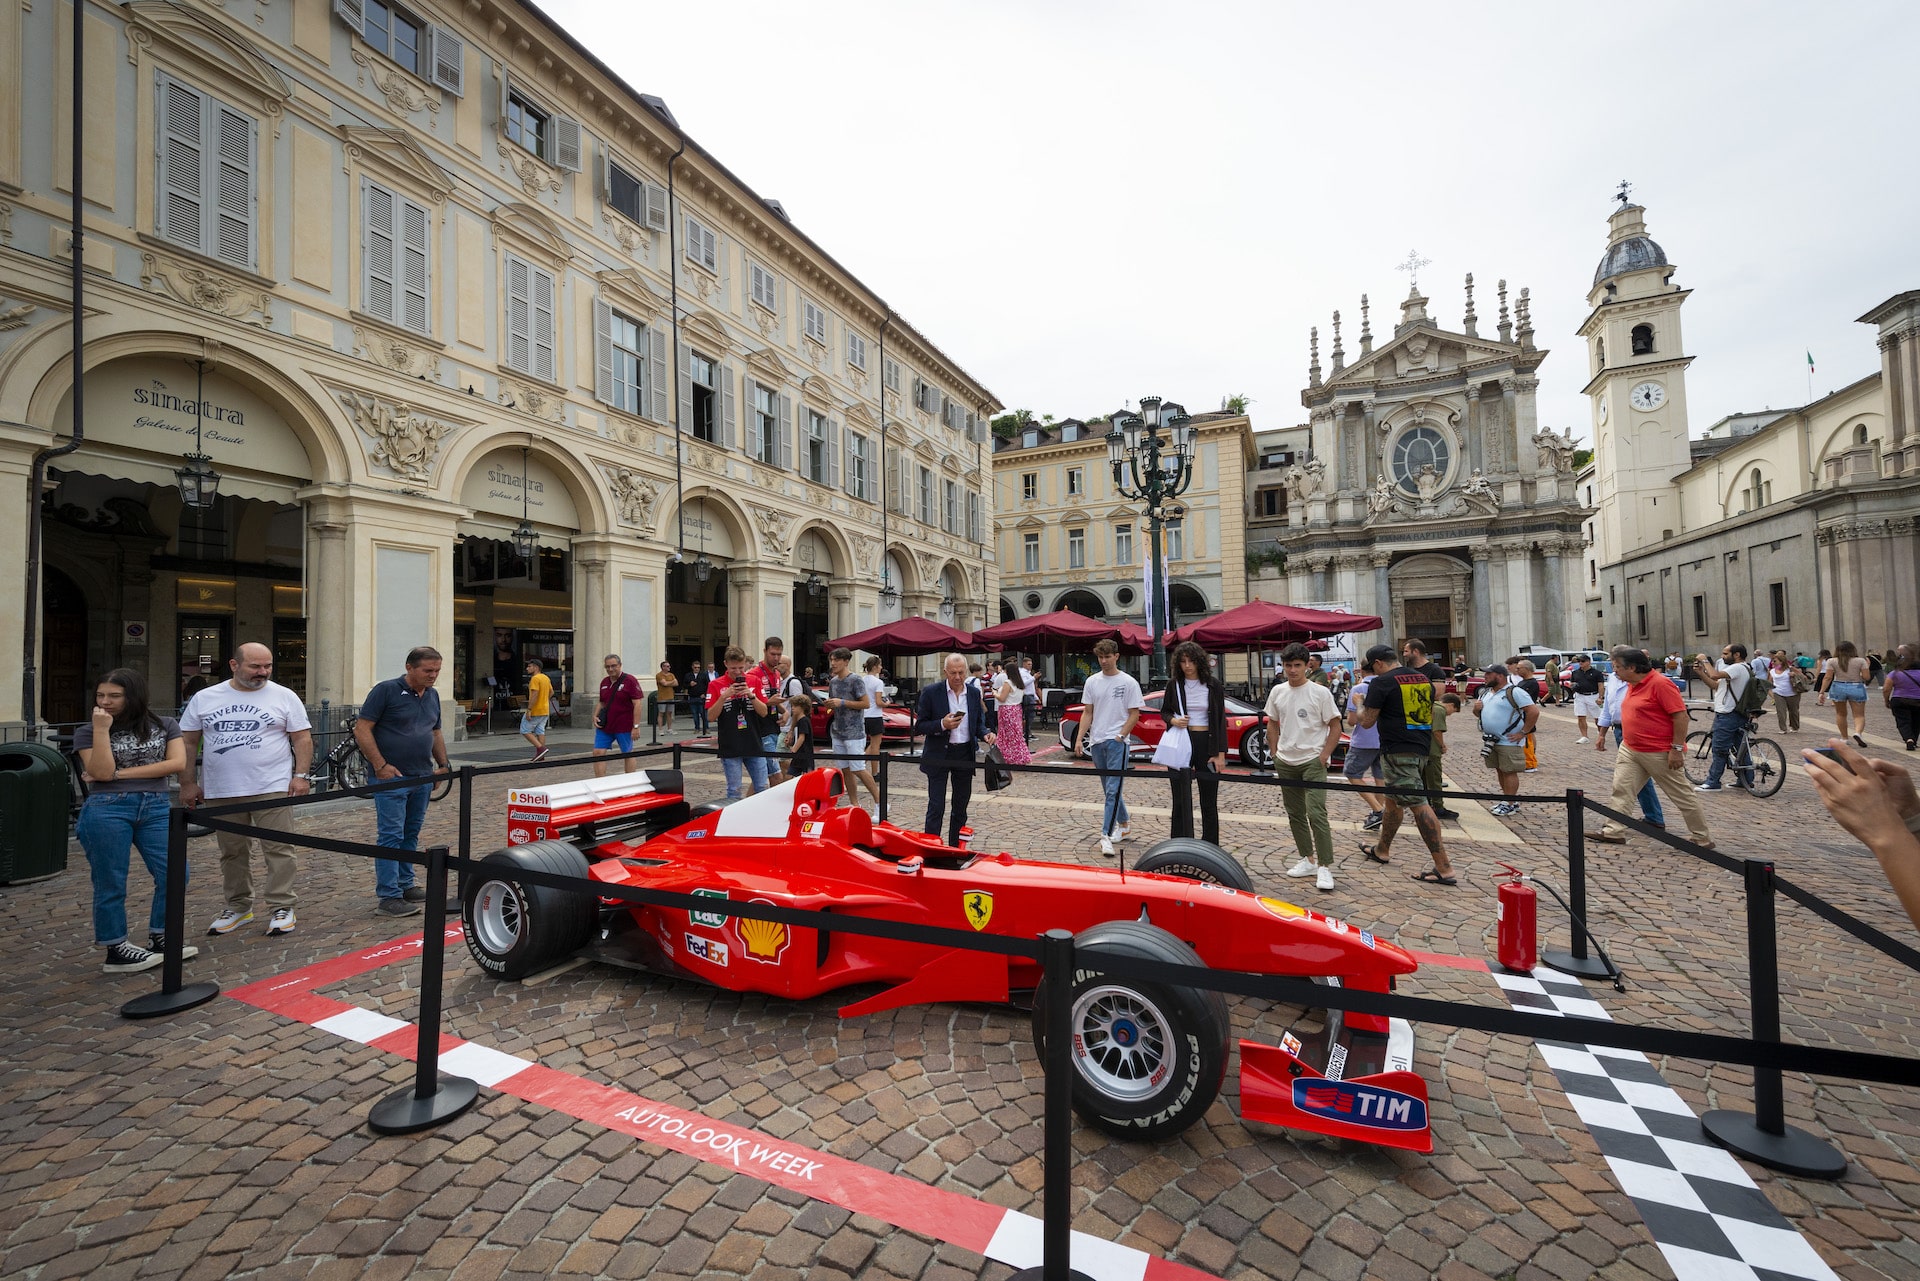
498,917
1122,1044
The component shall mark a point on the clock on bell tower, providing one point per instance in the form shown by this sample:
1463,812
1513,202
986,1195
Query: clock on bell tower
1638,388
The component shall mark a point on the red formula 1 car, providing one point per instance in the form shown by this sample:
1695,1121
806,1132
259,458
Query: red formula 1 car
1246,732
1149,1057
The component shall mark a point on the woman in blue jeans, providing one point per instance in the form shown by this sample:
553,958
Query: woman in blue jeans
128,755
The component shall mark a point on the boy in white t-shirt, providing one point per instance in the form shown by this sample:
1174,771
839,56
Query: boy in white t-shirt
258,745
1111,703
1303,728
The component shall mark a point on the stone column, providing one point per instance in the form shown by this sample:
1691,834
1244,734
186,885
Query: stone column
1520,598
1896,371
1317,565
1382,590
1470,430
1479,642
1556,618
18,444
1525,423
619,601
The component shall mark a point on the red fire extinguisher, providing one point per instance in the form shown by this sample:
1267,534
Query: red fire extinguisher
1516,915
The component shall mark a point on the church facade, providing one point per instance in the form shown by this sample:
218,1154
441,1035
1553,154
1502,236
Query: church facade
1432,497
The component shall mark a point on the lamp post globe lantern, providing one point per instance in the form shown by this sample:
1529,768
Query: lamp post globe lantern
1153,471
199,482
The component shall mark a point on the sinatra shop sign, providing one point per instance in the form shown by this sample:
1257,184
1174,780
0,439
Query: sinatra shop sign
149,405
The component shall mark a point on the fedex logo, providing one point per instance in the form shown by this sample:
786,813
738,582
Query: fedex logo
1358,1104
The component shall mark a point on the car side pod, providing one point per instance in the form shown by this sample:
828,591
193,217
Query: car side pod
1304,1084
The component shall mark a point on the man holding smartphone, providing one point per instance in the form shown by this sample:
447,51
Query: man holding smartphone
736,702
1653,728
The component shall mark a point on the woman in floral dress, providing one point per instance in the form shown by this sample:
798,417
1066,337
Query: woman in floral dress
1008,692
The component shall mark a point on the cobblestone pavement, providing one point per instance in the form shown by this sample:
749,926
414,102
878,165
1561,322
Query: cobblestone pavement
229,1141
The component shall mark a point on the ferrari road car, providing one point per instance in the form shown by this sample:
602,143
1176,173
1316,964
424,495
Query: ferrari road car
1149,1057
1246,732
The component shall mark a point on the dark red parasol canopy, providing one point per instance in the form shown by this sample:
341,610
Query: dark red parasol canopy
1260,622
907,637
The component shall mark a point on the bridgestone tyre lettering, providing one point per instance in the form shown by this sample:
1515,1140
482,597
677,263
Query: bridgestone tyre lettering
1196,860
515,928
1253,748
1182,1032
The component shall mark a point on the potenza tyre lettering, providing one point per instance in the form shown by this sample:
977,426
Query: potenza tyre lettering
1188,1089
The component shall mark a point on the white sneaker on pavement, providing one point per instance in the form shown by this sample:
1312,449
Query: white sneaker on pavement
229,921
1305,867
1323,879
1583,739
1106,846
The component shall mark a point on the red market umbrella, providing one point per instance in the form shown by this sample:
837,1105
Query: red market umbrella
1260,622
907,637
1061,628
1136,639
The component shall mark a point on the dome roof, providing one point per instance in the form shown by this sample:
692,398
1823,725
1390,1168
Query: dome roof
1634,253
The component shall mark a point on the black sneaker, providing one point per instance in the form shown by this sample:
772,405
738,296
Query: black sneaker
157,942
397,907
1372,821
1448,813
414,894
125,958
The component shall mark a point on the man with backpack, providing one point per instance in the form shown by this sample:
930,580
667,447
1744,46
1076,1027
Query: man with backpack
1507,713
1738,696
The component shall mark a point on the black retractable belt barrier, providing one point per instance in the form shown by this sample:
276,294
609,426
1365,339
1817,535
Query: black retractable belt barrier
432,1099
1056,1228
173,995
466,836
1577,962
1765,1136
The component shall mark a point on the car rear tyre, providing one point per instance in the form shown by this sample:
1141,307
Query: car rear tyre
1067,731
515,928
1196,860
1148,1058
1253,748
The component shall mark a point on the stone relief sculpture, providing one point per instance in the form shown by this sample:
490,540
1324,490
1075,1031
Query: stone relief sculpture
404,442
635,495
1427,482
773,531
1381,499
1478,495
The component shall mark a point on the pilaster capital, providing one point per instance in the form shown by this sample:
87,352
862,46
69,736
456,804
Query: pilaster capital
1318,564
1509,385
1380,560
1472,392
1481,553
1525,386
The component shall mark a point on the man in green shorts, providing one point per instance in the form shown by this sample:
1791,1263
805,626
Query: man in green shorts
1303,728
1400,704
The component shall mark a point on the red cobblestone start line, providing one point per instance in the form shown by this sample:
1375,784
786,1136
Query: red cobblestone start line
1003,1235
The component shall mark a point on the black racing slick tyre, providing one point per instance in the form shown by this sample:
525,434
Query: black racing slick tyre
1196,860
1148,1058
1253,749
515,928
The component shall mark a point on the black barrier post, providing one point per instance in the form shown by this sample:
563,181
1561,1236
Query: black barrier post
432,1098
466,835
886,810
1577,962
173,996
676,756
1766,1137
1056,1231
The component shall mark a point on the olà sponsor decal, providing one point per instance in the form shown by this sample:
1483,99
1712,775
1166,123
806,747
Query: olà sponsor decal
1358,1104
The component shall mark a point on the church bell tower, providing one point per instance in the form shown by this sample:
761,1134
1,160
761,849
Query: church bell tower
1638,388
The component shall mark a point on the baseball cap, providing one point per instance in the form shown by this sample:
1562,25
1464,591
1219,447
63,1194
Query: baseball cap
1382,654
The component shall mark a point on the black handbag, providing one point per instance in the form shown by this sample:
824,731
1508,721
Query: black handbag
997,779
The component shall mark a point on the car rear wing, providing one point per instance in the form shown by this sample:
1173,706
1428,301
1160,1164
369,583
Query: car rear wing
590,810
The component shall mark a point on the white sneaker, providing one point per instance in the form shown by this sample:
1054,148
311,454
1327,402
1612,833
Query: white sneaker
1583,739
229,921
1125,831
283,921
1106,846
1305,867
1323,879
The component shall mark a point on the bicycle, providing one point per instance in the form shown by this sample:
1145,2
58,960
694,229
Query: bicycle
346,767
1761,761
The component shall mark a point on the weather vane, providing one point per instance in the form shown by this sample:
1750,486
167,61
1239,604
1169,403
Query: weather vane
1623,197
1412,267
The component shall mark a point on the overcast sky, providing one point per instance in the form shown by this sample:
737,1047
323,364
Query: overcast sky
1087,203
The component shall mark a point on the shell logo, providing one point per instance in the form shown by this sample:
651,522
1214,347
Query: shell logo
762,940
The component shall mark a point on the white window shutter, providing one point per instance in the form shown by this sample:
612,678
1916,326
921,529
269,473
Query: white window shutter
657,374
232,187
415,308
376,253
449,60
519,315
180,138
685,385
726,407
846,470
506,91
603,169
656,197
833,452
352,12
602,352
566,143
786,433
780,303
543,347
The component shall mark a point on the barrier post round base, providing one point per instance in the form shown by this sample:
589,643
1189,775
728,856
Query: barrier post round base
1793,1151
405,1111
174,995
1586,967
155,1004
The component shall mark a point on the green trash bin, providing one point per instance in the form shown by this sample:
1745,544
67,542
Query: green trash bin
36,796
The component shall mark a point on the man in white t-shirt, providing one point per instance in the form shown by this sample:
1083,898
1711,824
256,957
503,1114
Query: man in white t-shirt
258,746
1728,679
1111,703
1303,728
1030,700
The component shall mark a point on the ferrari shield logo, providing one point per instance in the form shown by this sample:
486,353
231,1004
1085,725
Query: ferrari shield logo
979,908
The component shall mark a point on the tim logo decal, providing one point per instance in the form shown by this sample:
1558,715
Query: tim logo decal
1359,1104
763,940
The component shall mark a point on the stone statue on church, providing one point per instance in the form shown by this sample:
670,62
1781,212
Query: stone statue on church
1427,482
1297,484
1554,450
1316,478
1477,494
1382,499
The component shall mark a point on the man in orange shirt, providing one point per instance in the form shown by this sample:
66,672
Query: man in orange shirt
533,721
1653,725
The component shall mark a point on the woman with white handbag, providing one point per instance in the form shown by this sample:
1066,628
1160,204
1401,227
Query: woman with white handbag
1194,705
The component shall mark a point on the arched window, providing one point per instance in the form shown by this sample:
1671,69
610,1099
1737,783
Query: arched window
1759,490
1643,340
1599,355
1859,433
1422,446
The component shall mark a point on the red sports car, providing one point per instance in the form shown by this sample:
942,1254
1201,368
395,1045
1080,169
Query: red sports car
1246,732
1150,1057
899,721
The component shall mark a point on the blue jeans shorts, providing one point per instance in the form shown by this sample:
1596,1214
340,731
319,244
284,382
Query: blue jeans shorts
1847,692
602,740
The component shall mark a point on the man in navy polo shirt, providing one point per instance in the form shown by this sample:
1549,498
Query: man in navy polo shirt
399,733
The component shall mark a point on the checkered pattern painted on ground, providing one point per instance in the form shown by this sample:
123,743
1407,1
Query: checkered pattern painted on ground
1706,1215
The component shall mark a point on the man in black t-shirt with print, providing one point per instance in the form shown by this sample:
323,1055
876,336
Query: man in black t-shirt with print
1400,705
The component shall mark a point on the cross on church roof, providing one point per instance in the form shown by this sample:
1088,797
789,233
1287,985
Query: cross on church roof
1623,197
1412,267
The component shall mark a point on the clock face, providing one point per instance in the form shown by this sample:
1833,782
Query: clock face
1603,413
1647,396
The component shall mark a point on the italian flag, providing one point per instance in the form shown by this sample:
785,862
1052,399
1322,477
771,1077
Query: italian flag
1809,362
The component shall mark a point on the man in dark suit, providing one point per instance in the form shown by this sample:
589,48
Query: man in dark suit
697,696
952,722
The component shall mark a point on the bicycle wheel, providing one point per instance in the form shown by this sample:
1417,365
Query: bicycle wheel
1769,766
1699,756
351,770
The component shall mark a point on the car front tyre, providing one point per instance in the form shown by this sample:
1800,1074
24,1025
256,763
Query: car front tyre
1195,860
514,928
1253,748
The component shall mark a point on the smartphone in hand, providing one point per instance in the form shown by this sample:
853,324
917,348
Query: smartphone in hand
1833,754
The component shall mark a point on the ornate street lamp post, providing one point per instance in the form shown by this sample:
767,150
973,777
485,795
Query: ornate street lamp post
1155,472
